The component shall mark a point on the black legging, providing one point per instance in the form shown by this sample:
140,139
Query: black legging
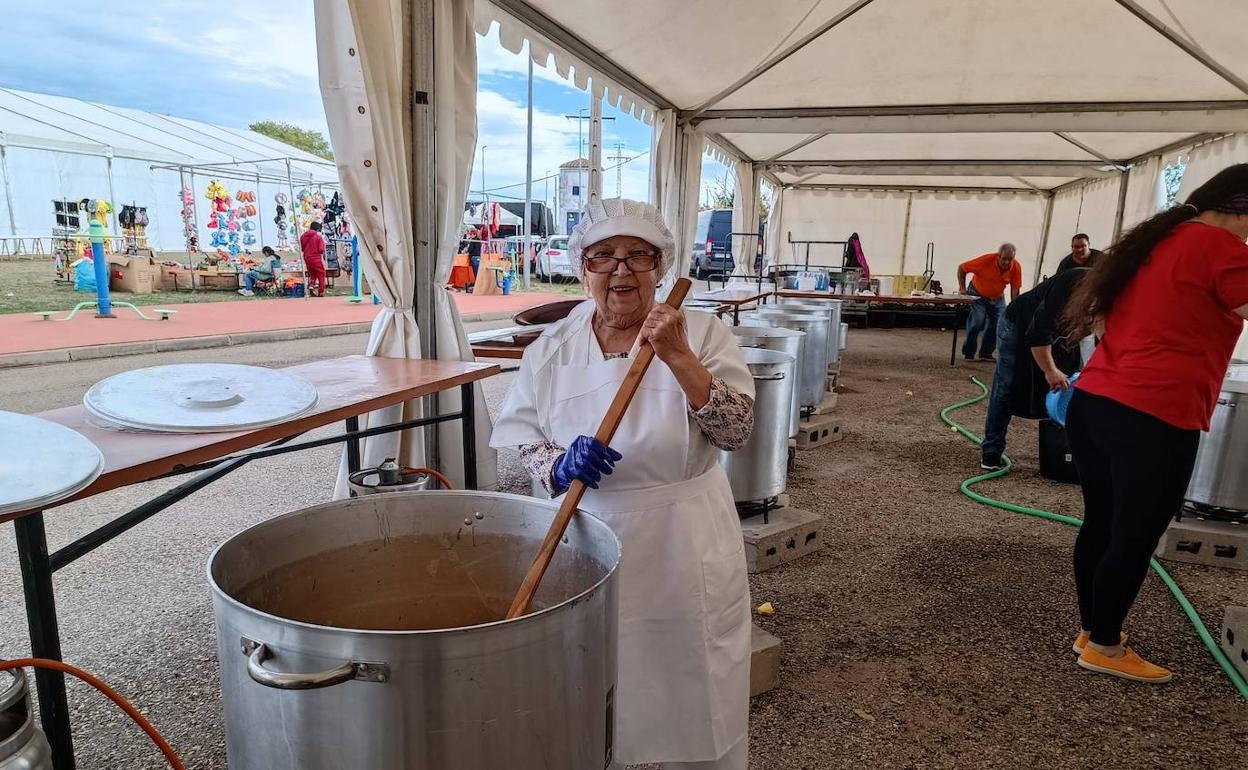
1134,470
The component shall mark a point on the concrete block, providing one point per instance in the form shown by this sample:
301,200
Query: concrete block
834,367
12,360
829,403
833,381
816,431
1212,543
779,537
1234,638
108,351
764,661
193,343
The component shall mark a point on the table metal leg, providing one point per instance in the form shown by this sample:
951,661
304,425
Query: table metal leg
736,315
953,347
468,405
45,637
353,445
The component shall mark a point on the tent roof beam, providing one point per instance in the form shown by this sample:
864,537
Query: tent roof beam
914,188
805,142
949,167
1034,117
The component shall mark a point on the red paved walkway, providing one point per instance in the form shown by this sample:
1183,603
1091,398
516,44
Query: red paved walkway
25,332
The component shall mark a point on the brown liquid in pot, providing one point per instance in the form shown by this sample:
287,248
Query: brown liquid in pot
414,583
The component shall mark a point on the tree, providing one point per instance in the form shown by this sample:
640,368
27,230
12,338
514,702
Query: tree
721,191
303,138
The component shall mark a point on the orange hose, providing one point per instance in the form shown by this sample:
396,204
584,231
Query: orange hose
95,682
446,483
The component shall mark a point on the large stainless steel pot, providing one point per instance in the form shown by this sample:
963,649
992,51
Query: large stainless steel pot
844,335
22,745
1220,479
758,470
788,341
830,306
813,380
364,634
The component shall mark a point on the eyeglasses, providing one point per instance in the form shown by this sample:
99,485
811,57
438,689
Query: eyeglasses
637,262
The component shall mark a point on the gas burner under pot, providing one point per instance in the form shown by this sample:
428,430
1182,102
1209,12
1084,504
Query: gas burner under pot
1211,513
757,507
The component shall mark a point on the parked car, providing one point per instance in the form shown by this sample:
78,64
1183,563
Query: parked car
712,250
555,261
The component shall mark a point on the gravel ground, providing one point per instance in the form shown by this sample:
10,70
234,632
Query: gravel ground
930,632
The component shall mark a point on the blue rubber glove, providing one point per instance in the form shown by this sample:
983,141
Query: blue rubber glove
588,460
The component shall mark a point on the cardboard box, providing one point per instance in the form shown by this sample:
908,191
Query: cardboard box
138,274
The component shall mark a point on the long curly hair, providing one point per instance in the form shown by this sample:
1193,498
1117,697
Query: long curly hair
1116,267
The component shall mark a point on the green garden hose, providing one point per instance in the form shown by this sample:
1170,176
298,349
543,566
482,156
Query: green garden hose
1237,680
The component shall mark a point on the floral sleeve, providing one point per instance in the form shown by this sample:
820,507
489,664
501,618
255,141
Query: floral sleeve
727,419
539,460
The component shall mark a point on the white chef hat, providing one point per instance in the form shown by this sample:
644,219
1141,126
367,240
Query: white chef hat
609,217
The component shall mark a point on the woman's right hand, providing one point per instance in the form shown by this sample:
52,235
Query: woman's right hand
1057,380
588,460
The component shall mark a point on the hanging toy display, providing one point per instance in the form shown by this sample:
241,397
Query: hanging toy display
225,221
280,219
337,232
244,220
187,199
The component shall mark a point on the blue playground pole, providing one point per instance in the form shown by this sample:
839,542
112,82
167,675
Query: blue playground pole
104,304
355,265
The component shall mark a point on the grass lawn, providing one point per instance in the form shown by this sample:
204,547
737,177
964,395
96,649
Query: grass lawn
27,286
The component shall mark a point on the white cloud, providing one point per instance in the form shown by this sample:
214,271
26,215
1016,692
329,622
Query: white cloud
496,61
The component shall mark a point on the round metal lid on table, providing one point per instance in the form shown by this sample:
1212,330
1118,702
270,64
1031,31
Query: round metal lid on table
200,398
1236,380
42,462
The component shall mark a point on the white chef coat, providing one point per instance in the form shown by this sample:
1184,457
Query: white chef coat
682,692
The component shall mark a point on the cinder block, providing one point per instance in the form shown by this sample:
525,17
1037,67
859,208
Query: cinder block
828,404
833,381
764,661
834,367
780,536
816,431
1234,638
1212,543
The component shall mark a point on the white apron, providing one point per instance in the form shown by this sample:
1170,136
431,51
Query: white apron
682,692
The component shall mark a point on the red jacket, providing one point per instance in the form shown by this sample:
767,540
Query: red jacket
312,245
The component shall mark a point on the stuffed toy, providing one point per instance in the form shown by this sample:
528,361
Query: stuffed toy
281,200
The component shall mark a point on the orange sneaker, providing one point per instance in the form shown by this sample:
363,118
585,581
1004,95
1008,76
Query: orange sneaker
1081,641
1129,666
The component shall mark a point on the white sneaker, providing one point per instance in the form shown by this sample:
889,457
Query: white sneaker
247,292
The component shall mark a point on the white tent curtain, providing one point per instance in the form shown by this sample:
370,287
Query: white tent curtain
1085,208
745,217
1146,192
821,215
772,248
964,226
455,131
676,178
1208,159
361,60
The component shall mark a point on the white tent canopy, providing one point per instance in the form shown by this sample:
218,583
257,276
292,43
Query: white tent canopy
1052,105
56,147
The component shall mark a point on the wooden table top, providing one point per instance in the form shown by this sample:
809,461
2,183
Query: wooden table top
732,296
942,300
346,387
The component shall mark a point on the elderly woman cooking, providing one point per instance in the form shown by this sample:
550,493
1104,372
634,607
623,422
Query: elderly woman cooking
682,698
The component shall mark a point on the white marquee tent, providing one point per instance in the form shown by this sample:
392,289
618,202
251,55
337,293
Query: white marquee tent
963,123
58,148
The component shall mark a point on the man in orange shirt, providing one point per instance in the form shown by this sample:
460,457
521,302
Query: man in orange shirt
992,272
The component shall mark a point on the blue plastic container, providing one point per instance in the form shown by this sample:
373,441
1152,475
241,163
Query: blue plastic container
1057,402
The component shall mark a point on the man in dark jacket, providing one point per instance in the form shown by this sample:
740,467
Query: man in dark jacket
1029,332
1081,253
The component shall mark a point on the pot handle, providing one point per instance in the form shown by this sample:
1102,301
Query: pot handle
257,652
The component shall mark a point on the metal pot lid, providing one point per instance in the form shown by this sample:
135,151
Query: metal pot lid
764,331
200,398
42,462
767,363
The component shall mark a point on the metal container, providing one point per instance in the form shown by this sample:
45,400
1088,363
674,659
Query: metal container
22,745
830,306
787,341
394,602
758,470
844,335
1220,479
813,380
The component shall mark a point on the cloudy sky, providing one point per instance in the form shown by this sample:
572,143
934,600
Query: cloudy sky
233,62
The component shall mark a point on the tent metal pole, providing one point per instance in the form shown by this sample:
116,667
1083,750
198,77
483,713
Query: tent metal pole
528,179
421,100
112,195
8,187
905,233
799,185
1122,203
1094,153
805,142
259,214
290,185
1044,238
1187,46
595,143
796,46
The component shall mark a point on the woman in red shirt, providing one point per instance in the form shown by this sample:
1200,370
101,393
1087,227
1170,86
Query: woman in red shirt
1171,296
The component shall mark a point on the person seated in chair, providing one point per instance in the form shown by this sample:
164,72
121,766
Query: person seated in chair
263,272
